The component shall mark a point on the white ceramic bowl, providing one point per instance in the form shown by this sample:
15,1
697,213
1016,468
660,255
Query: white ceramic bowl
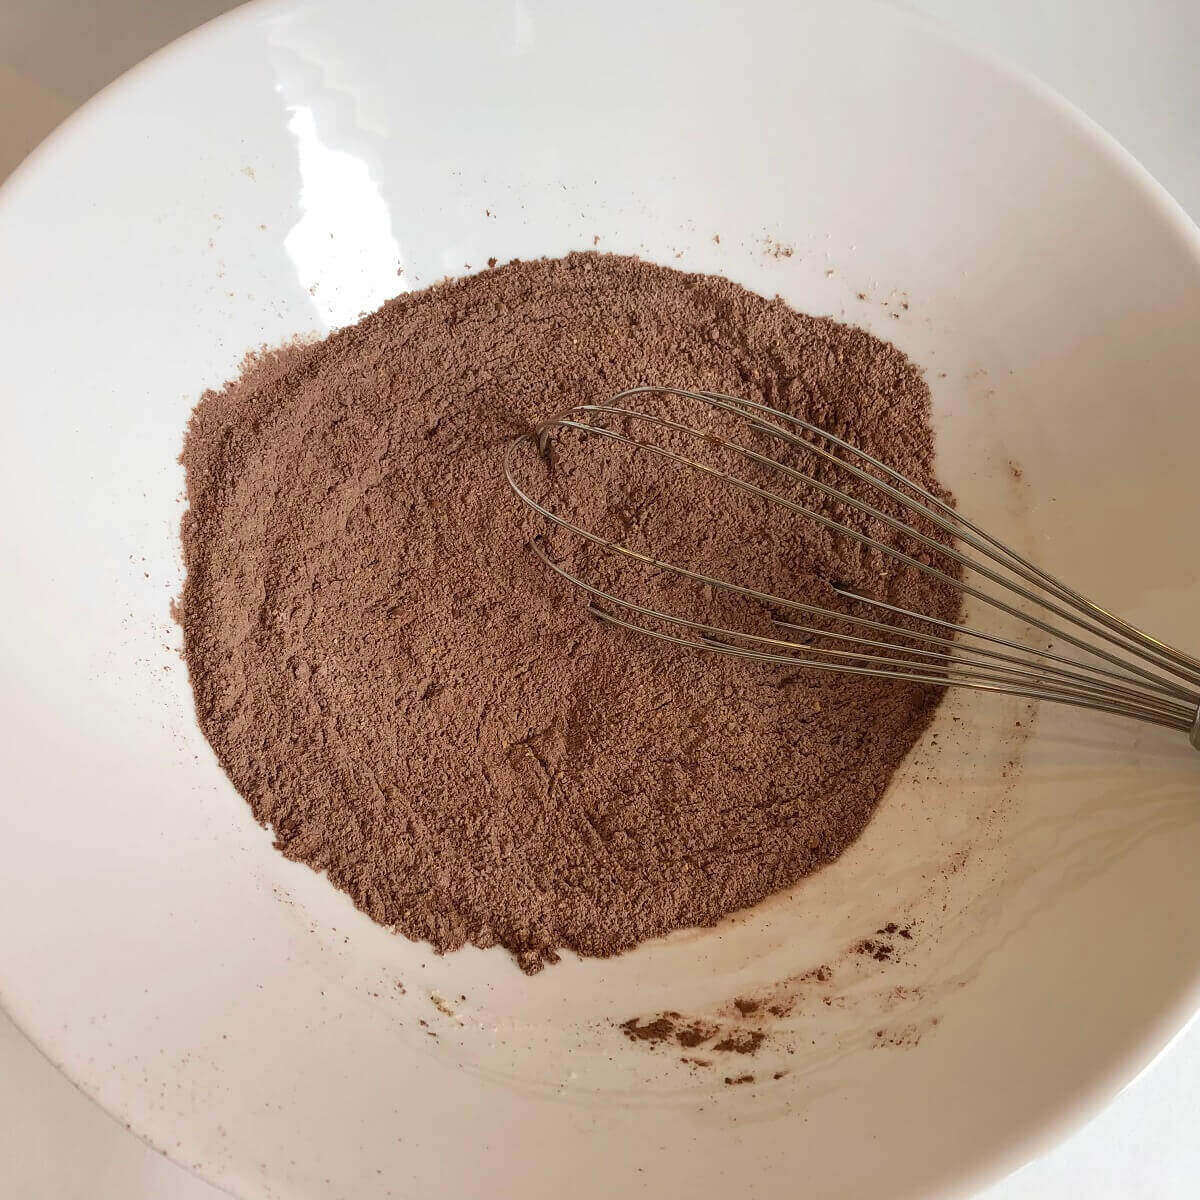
273,174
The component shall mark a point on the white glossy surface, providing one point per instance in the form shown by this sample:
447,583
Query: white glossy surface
798,284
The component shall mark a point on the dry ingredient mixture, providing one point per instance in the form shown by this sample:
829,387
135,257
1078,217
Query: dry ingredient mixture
416,706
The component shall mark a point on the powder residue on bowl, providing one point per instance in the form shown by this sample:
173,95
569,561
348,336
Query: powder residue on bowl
413,706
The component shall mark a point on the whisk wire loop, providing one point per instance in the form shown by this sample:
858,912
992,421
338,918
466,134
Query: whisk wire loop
1125,671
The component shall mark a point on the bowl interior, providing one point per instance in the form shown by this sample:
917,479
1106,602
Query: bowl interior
1036,868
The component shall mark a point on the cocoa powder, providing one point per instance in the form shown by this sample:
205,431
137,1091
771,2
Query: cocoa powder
415,706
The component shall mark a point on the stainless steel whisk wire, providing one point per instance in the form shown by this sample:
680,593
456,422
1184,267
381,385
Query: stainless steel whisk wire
1127,672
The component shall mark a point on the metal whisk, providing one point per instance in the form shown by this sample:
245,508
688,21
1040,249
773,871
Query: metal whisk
1106,663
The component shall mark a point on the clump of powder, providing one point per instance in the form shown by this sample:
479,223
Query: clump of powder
414,705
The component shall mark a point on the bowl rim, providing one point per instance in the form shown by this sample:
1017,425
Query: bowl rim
1177,1012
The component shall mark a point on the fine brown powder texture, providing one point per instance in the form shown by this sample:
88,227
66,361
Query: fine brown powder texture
415,705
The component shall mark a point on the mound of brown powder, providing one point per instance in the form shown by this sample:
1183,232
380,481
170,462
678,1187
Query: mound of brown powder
414,705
